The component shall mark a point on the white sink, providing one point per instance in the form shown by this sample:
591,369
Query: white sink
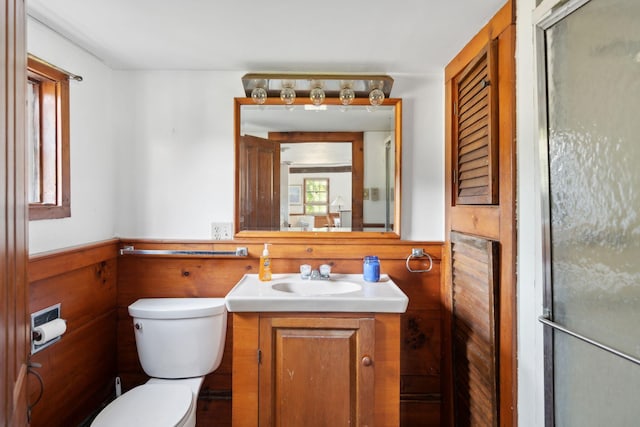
291,293
317,287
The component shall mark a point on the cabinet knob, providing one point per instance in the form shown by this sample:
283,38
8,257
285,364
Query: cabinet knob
366,361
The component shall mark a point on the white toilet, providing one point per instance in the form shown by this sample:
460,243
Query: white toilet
179,341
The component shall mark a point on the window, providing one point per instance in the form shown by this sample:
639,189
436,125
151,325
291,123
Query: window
48,141
316,196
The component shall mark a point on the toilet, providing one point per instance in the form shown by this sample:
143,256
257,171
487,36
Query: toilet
179,341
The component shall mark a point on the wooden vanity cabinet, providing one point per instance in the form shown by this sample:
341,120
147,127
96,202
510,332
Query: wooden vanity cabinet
316,369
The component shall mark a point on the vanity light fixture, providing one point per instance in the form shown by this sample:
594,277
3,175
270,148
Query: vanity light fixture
376,96
345,87
288,92
259,93
317,93
347,94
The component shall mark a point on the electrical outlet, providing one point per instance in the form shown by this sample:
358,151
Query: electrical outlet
222,231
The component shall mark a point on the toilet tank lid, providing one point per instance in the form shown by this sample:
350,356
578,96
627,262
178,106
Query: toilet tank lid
176,308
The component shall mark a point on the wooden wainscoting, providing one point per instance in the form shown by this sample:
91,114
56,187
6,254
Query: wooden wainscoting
78,371
95,287
141,276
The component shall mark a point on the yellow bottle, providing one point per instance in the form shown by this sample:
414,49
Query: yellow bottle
264,271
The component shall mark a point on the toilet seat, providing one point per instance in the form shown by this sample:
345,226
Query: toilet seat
148,405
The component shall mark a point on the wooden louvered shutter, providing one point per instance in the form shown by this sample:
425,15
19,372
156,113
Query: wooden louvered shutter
474,334
475,142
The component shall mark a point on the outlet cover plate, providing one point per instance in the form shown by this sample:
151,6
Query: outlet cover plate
222,231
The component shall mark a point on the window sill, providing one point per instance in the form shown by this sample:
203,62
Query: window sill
39,212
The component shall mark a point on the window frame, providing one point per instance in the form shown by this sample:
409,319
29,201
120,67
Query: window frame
54,181
312,204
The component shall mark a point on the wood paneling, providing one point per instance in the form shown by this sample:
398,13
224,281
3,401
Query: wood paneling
420,413
164,276
95,287
13,241
508,239
78,371
246,333
78,374
388,366
53,263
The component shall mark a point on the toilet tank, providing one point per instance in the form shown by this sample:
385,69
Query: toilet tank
179,337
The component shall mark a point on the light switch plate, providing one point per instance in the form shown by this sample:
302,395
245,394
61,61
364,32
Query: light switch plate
222,231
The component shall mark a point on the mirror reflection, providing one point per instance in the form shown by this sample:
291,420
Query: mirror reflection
322,169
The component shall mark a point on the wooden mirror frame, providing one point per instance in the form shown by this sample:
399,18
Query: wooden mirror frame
395,234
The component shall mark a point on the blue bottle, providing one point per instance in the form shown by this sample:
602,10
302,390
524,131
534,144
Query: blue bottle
371,268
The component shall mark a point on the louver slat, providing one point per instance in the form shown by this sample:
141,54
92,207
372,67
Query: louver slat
474,329
475,129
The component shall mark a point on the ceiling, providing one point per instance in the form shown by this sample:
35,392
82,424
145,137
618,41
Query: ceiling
331,36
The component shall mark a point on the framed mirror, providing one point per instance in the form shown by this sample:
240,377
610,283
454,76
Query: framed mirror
327,170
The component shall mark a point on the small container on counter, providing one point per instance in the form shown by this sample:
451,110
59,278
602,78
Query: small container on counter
371,268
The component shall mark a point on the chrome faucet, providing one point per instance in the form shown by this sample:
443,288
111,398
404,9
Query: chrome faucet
323,273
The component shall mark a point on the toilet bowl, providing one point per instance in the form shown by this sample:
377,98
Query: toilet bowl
179,340
151,405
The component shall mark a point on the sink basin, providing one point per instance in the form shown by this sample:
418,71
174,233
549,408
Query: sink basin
317,287
291,293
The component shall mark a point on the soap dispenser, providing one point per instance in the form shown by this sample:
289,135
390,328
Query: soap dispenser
264,271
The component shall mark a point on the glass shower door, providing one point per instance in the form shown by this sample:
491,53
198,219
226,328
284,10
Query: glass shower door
591,73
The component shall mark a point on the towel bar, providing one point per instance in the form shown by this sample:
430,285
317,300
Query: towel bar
546,321
130,250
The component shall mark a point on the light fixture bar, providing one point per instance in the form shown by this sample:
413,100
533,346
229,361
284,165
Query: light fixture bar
362,84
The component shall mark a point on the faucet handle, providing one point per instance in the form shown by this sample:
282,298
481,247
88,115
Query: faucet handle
325,271
305,271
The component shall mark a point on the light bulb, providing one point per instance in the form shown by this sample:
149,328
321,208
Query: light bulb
376,97
288,95
347,95
316,95
259,95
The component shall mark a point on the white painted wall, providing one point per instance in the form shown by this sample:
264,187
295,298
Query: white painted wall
152,151
529,268
93,149
422,155
175,130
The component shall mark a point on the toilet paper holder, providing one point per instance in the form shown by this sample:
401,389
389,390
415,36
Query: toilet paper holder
38,320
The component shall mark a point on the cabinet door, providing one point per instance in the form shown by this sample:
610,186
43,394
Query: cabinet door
316,372
474,325
475,130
